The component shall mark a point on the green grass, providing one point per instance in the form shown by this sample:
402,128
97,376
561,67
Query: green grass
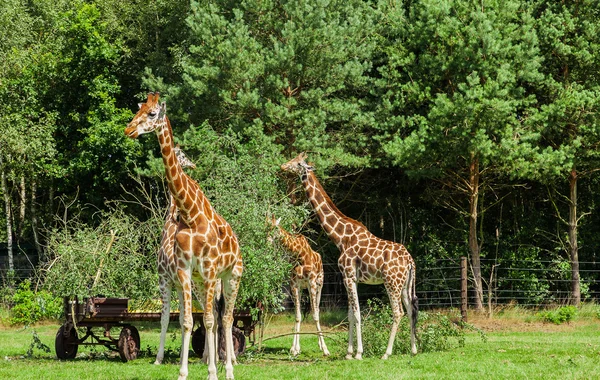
514,349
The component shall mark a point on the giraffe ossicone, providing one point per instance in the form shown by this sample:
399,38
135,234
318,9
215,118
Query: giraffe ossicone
364,258
207,250
307,273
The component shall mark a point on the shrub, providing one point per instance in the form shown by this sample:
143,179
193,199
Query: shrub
560,315
30,307
435,331
116,258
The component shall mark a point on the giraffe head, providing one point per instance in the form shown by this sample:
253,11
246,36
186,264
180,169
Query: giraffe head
150,116
297,165
182,158
274,231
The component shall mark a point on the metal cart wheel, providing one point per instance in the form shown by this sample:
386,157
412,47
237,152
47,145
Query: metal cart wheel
129,343
66,343
239,342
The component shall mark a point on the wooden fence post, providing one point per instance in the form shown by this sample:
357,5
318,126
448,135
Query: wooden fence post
463,288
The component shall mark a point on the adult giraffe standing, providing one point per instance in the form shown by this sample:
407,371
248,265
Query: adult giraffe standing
364,258
167,262
206,247
307,273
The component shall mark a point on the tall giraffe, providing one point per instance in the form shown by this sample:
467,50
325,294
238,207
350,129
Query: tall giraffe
307,273
167,262
364,258
206,247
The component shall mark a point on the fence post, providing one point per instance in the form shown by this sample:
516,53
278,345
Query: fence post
463,288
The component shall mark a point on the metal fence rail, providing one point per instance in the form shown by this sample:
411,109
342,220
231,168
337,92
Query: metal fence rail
527,283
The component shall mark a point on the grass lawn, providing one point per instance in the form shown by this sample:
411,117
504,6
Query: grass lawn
515,349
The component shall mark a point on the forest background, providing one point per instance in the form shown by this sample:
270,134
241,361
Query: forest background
457,128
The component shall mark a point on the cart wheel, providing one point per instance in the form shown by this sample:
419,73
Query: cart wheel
66,346
198,339
239,341
129,343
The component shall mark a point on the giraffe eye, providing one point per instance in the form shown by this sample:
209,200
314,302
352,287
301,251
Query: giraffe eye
152,114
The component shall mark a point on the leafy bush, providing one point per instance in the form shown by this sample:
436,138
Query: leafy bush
560,315
243,185
30,307
435,331
117,258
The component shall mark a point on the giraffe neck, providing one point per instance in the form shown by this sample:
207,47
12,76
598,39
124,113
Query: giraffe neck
289,241
185,192
172,208
329,215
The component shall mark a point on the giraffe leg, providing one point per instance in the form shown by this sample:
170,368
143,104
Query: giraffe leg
397,315
211,330
165,292
181,318
315,299
187,320
353,320
295,350
218,295
230,289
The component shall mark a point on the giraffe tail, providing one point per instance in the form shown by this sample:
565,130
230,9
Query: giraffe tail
414,301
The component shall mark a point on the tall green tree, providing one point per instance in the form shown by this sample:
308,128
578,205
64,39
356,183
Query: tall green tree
27,146
568,120
454,95
291,72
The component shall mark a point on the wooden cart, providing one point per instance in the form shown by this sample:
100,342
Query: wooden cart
106,313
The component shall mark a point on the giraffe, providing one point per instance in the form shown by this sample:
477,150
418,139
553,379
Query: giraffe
307,273
364,258
167,262
206,247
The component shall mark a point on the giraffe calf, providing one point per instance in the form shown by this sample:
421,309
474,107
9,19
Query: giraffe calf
307,273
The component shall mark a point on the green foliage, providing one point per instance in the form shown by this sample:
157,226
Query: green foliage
30,307
435,331
36,342
290,72
85,261
561,315
241,183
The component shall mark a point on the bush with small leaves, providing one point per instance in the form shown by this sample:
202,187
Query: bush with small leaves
435,331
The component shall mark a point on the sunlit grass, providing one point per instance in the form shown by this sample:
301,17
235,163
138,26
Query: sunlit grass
514,349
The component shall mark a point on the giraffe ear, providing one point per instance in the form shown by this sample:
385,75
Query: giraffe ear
140,105
163,110
278,221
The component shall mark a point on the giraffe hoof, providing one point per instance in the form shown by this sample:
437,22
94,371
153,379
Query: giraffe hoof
349,357
384,357
358,357
325,352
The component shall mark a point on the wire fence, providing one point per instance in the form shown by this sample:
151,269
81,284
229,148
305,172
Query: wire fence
526,283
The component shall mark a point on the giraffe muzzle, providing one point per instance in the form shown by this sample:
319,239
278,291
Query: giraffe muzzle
131,132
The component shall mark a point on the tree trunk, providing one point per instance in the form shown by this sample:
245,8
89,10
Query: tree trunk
574,255
474,246
34,221
9,237
22,206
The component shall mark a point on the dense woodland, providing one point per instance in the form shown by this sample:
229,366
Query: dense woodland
458,128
